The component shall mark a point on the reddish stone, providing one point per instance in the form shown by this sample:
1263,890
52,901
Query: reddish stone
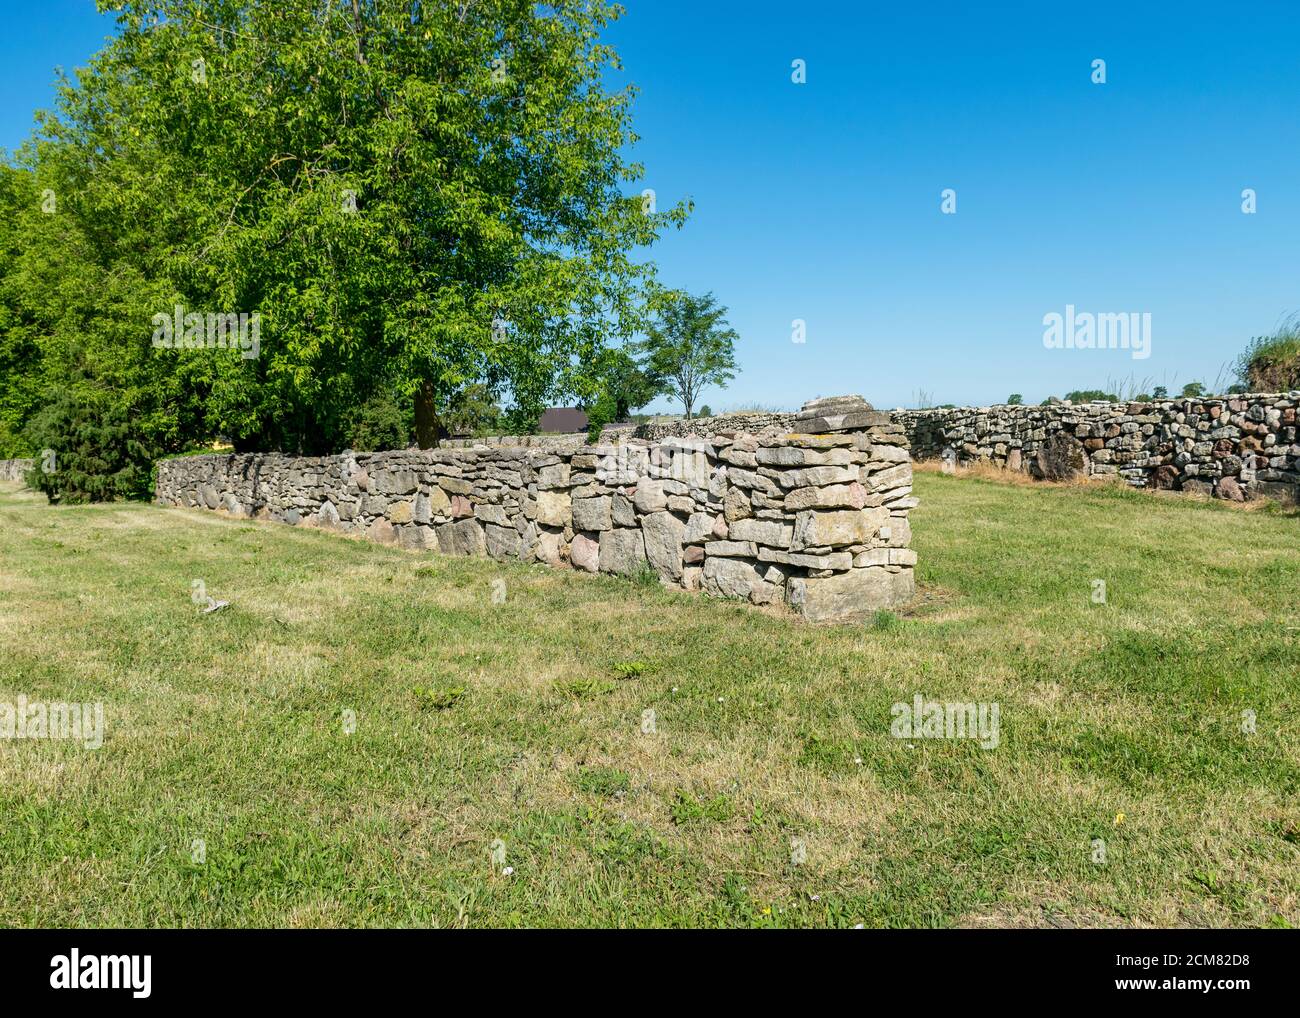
1165,476
1229,488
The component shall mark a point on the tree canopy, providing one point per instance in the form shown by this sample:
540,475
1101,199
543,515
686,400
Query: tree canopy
421,202
689,345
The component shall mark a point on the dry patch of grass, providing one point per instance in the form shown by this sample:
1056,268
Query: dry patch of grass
352,734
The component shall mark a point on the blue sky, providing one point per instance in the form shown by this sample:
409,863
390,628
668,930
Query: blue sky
821,201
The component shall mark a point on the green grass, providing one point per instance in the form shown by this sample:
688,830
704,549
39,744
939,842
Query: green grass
522,721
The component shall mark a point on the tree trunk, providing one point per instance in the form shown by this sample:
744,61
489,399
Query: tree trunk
428,428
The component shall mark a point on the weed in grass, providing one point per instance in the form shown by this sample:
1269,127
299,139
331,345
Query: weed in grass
884,621
630,669
646,576
438,697
687,809
585,688
606,781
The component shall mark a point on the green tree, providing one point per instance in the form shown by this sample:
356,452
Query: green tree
88,452
1015,399
629,386
1159,392
416,199
1193,390
473,411
1088,395
689,345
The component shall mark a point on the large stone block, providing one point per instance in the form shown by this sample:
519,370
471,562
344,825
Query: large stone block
817,477
650,497
502,542
584,551
736,505
731,577
835,529
663,543
555,475
768,532
698,528
393,482
554,508
463,538
793,456
896,476
592,513
850,596
835,560
834,496
622,551
731,549
382,531
623,511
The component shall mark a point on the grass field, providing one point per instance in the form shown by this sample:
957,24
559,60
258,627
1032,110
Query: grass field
1121,723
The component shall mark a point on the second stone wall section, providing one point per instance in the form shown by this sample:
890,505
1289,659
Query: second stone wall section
1233,447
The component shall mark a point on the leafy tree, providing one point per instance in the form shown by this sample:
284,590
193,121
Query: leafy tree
473,411
416,199
622,387
1015,399
689,345
1088,395
1193,390
88,452
20,353
1159,392
706,411
384,421
631,386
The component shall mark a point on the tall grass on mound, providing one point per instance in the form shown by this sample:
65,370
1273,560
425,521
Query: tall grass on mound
1272,363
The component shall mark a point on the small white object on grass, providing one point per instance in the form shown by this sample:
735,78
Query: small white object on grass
215,606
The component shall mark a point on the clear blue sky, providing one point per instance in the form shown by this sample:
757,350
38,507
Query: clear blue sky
822,201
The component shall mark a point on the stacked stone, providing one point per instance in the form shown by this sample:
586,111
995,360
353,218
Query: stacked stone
13,470
1233,447
816,518
759,423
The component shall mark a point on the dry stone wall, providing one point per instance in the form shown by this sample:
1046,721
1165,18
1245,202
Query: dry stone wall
816,518
1233,447
703,427
13,470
